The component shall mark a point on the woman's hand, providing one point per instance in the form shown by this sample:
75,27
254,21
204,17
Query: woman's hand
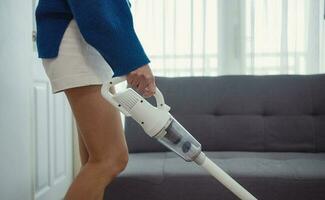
142,80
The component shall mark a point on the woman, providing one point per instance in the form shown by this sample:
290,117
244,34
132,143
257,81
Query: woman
76,40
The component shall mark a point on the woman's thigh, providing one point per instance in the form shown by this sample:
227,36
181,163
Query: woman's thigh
99,123
82,148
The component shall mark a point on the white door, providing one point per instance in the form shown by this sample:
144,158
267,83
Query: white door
52,128
15,109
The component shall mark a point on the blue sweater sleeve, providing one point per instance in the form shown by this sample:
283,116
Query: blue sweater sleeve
107,25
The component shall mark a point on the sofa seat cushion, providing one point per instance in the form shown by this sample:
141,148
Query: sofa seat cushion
268,175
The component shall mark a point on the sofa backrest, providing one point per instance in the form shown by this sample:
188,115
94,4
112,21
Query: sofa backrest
243,113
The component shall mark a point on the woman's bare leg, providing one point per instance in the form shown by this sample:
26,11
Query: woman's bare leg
84,155
101,130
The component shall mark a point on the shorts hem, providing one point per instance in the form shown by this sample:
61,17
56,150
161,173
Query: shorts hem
61,84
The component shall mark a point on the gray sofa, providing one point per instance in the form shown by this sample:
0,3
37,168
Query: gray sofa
268,132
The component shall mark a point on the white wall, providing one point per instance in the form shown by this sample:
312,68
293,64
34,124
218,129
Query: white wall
15,103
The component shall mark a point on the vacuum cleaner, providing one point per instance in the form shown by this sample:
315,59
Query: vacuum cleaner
158,123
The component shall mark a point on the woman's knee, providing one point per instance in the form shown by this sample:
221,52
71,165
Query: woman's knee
120,162
111,166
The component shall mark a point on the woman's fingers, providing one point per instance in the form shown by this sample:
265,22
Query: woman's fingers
150,90
142,85
142,80
133,80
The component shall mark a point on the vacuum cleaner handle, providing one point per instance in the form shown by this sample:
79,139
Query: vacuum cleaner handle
110,97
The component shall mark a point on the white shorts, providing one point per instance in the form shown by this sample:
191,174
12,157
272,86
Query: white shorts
77,64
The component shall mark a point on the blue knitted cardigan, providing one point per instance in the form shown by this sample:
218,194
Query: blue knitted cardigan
107,25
